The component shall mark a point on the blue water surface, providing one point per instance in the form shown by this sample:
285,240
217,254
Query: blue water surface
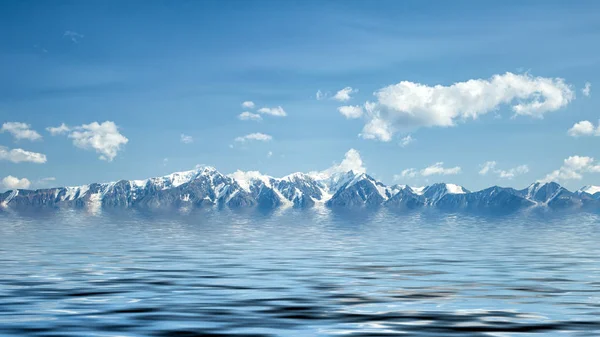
314,272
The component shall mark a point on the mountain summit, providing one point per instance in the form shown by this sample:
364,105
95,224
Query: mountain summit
207,187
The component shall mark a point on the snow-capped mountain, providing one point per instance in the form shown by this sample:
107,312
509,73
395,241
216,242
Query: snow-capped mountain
207,187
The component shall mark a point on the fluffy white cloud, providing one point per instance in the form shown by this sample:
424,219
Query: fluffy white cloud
248,105
20,131
13,183
20,155
344,94
104,138
249,116
584,128
351,111
186,139
587,89
490,167
277,111
408,105
573,169
58,130
352,162
254,136
404,142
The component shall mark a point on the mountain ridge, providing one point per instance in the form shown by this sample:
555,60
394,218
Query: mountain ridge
207,187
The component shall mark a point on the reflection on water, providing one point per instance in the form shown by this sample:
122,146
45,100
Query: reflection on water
299,273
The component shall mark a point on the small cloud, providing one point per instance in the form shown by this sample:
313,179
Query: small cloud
58,130
490,167
104,138
350,111
438,169
248,105
257,136
573,169
185,139
344,94
404,142
587,89
165,161
21,156
13,183
352,162
435,169
321,95
249,116
277,111
487,167
73,36
45,181
20,131
269,154
584,128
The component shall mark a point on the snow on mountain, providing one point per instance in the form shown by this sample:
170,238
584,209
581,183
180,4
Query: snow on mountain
589,189
207,187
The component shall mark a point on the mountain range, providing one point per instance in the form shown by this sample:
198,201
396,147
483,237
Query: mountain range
207,187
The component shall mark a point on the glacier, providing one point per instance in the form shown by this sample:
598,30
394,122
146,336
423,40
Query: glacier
207,187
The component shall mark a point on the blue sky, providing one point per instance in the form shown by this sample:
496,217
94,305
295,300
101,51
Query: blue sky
157,70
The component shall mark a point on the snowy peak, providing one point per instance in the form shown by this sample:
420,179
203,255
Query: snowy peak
542,192
207,187
435,192
590,189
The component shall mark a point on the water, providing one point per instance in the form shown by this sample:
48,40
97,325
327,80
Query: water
299,273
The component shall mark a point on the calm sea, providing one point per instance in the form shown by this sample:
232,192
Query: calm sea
299,273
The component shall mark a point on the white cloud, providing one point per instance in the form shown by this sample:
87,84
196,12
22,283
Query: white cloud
584,128
321,95
20,155
490,167
48,179
165,161
277,111
248,105
587,89
435,169
487,167
104,138
254,136
58,130
13,183
377,128
249,116
269,154
351,111
438,169
185,139
20,131
407,173
573,169
513,172
408,105
352,162
404,142
344,94
73,36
